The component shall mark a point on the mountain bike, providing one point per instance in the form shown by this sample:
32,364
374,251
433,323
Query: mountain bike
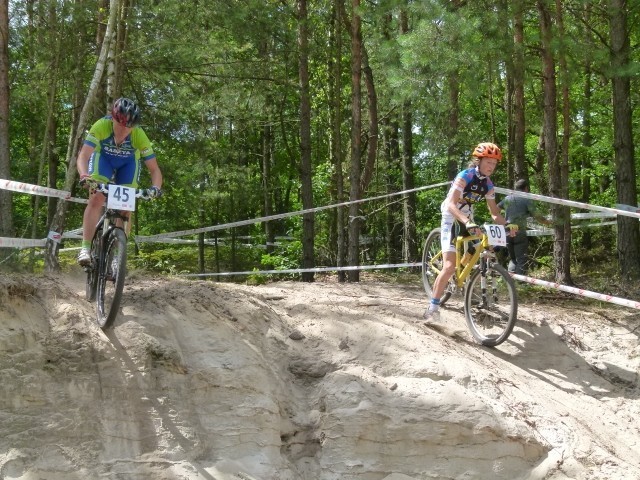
106,273
490,297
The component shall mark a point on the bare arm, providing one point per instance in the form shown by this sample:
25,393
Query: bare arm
156,174
82,164
495,211
452,206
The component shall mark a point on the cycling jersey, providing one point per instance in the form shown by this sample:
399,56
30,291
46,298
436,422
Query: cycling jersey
118,163
473,188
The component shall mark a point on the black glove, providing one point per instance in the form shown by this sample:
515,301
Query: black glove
154,192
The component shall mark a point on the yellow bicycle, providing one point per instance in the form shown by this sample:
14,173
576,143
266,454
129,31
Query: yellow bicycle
490,297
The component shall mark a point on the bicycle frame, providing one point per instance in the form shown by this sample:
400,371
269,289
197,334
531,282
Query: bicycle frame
106,274
462,272
107,224
490,296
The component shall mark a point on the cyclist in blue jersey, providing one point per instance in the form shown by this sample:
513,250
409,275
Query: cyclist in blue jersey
112,152
468,188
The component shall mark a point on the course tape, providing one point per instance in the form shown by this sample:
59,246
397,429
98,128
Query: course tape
38,190
544,232
578,291
627,212
303,270
241,223
22,242
36,242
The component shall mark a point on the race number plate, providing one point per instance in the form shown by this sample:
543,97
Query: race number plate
121,198
497,235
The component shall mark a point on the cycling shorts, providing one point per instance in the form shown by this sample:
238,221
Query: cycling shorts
121,171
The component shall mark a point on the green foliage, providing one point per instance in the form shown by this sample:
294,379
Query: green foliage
218,85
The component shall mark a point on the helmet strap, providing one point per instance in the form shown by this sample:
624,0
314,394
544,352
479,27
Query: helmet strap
478,174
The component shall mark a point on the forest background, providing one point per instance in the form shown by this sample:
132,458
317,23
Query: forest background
261,107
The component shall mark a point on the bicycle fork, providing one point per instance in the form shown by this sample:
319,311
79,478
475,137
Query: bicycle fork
487,299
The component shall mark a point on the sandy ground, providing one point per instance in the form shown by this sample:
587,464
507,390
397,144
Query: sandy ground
203,380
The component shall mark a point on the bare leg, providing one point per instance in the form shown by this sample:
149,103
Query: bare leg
449,266
91,215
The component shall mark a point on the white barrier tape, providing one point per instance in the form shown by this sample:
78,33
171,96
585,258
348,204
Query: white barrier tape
38,190
611,211
585,216
543,232
629,208
578,291
279,216
569,203
33,189
303,270
22,242
39,242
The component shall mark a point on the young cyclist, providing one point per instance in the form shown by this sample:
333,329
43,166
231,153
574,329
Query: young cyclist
469,187
112,151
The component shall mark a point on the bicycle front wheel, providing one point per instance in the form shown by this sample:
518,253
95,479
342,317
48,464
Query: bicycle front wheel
491,305
111,278
92,270
432,263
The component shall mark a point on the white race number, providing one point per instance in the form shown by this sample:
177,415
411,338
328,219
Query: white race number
121,198
497,235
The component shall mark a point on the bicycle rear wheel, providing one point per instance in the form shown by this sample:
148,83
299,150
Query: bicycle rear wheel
491,305
111,278
432,263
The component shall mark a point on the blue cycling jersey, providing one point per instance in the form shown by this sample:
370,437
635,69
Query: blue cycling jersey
473,188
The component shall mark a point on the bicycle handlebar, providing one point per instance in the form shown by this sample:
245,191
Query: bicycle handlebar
103,188
483,229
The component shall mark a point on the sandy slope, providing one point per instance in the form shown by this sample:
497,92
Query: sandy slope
292,381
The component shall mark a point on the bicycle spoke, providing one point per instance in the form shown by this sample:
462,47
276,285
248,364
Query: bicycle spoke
111,279
491,306
432,264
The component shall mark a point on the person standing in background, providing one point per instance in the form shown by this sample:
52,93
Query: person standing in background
518,210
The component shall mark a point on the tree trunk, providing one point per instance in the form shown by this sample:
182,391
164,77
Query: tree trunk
410,243
47,156
119,46
550,128
6,213
628,230
57,225
356,147
335,89
519,162
566,136
585,185
372,144
453,154
308,234
267,192
393,231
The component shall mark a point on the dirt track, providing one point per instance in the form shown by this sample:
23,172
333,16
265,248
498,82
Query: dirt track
309,381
